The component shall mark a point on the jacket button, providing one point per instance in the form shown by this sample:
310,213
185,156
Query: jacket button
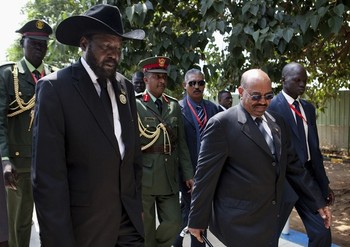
273,163
273,202
17,153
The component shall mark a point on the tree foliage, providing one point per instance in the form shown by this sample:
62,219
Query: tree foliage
265,34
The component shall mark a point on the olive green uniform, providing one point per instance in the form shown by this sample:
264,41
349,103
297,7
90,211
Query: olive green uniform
16,105
162,161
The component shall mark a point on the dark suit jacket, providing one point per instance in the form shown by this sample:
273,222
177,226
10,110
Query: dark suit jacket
190,127
238,183
80,183
280,105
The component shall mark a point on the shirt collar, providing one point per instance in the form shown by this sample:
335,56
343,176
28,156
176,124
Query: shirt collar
153,97
32,68
88,69
289,99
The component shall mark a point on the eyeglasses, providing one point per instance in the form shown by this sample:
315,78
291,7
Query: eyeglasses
193,83
258,97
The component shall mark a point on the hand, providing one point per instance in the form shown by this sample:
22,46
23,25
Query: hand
331,197
197,233
326,216
10,175
189,184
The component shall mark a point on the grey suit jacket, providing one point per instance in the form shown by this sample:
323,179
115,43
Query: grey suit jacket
80,183
239,184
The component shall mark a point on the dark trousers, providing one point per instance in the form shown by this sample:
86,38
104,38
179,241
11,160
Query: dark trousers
128,235
318,234
185,210
20,211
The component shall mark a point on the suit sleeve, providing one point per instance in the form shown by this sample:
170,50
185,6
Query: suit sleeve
5,79
184,155
49,169
211,160
138,154
298,177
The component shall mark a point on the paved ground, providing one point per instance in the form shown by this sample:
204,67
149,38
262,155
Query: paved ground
292,239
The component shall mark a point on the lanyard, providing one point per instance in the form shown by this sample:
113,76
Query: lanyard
200,123
297,112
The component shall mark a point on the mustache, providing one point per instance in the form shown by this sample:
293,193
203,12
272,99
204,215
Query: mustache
197,91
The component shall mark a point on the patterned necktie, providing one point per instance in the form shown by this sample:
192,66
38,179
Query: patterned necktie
267,138
105,99
159,105
301,129
37,75
201,115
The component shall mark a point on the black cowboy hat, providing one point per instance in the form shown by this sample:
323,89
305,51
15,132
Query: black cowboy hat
101,18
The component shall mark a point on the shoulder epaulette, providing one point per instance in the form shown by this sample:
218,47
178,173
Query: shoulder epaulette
7,64
169,97
138,95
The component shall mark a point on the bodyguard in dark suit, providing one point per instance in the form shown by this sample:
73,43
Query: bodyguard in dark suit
196,112
244,159
17,88
87,163
306,144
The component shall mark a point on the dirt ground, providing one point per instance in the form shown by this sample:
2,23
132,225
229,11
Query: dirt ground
339,175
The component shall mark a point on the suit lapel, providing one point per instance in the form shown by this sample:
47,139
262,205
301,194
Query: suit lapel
124,110
276,133
187,112
86,89
288,113
251,130
22,69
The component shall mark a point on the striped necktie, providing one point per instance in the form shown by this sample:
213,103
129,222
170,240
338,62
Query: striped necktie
266,136
201,115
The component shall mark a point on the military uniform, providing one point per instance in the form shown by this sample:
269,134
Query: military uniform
17,88
165,153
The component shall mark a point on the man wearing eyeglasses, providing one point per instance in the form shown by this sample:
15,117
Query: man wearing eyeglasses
196,112
240,177
165,153
298,112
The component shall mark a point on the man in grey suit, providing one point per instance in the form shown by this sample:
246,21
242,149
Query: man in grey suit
244,159
306,145
87,161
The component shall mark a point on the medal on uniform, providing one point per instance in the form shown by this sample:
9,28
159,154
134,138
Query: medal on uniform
122,98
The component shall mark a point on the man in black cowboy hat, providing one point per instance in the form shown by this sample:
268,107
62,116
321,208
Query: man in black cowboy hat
87,162
17,87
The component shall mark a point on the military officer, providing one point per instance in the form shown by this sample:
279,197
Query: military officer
164,152
17,87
